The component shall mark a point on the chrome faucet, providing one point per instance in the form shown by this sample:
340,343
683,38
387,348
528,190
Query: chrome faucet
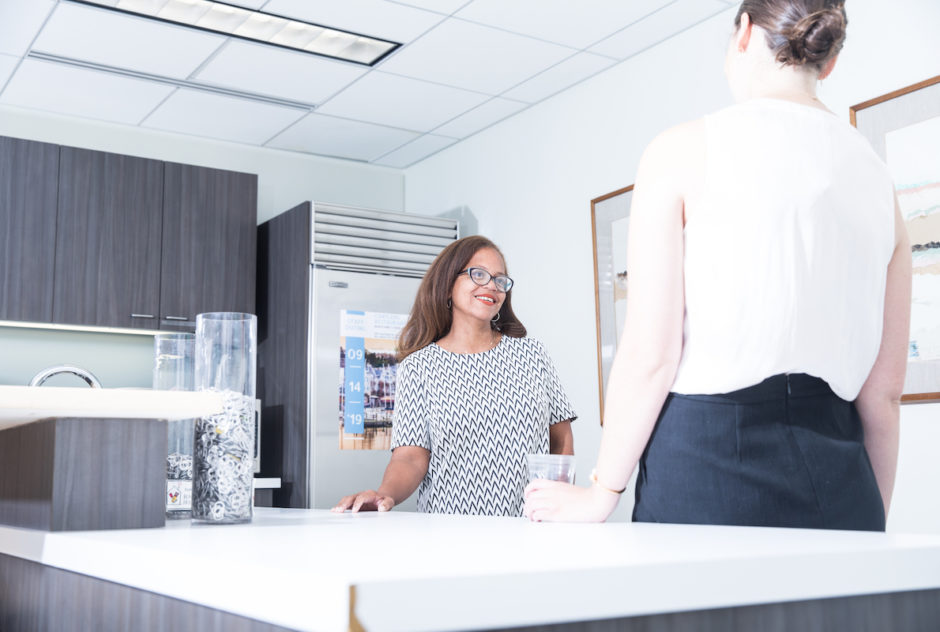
45,374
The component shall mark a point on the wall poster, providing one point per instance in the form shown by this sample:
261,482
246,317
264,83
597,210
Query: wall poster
904,129
367,377
610,223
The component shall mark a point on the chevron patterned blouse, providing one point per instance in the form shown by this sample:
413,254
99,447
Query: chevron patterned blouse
479,415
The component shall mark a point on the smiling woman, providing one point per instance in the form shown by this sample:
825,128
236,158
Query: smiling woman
475,394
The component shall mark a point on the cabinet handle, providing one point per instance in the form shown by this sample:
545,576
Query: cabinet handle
141,315
175,318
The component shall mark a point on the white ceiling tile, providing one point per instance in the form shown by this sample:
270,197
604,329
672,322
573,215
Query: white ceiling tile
659,26
198,113
377,18
576,24
494,110
106,37
557,78
80,92
20,21
343,138
401,102
474,57
416,150
278,72
248,4
7,64
438,6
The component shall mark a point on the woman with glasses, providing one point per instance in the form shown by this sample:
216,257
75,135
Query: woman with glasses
475,395
765,345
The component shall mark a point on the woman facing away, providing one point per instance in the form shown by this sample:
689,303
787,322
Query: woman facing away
762,361
474,395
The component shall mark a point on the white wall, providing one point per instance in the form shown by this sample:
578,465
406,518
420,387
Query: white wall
529,181
284,180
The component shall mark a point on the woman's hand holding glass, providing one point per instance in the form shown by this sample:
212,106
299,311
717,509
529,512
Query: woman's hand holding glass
553,501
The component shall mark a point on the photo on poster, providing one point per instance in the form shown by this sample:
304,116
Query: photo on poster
915,165
368,369
903,128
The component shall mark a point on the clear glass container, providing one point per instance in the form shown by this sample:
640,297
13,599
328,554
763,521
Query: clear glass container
223,451
173,371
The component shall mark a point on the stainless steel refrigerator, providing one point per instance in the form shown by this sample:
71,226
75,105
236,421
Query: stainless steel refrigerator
323,267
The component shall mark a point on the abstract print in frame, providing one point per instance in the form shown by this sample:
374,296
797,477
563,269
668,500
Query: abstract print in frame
904,129
610,220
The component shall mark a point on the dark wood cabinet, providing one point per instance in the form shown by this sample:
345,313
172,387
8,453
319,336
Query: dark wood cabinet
108,237
209,243
28,190
102,239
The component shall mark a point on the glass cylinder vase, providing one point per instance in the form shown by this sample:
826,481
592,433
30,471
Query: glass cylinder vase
173,371
223,451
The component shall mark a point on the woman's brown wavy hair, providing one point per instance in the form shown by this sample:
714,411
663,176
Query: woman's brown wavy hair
431,318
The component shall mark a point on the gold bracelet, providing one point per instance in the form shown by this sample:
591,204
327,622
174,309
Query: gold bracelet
594,481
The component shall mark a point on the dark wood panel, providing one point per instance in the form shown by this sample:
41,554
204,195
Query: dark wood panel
27,458
39,598
209,243
75,474
107,264
28,197
915,611
283,330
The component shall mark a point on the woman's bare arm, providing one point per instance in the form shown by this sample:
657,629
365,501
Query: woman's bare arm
649,350
879,401
404,473
560,438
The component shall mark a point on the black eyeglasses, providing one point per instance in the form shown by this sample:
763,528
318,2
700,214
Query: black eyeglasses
482,277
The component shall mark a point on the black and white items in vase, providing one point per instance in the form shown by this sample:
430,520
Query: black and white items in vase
223,450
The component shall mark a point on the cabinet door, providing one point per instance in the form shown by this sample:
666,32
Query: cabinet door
209,237
28,172
107,265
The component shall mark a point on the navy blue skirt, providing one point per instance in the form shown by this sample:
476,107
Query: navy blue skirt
787,452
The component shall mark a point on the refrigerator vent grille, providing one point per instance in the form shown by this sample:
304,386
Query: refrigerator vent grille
365,240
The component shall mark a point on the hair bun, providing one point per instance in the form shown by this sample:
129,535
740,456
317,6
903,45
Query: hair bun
814,39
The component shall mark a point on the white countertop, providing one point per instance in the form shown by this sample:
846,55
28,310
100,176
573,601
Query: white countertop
24,404
300,568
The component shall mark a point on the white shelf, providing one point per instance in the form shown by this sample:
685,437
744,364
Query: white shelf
267,483
24,404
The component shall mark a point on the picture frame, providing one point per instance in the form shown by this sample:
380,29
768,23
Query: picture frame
610,215
903,127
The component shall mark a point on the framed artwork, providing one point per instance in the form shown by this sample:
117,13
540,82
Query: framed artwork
610,217
904,128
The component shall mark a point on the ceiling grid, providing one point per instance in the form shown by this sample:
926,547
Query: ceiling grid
461,66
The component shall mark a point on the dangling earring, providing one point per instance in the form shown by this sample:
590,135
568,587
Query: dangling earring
450,304
495,318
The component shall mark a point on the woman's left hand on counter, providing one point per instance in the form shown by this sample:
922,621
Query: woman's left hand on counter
553,501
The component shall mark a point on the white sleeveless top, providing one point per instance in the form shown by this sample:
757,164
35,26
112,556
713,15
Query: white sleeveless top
786,254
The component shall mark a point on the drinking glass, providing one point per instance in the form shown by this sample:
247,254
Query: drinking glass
173,371
555,467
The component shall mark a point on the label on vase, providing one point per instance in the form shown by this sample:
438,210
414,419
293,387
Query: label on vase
179,495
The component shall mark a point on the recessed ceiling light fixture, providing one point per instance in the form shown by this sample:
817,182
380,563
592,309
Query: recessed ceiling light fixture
257,26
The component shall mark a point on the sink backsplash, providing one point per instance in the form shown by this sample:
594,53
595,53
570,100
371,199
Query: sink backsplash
118,360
